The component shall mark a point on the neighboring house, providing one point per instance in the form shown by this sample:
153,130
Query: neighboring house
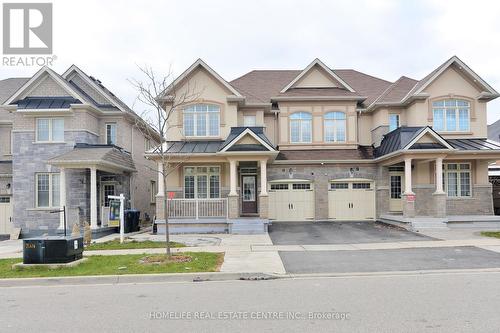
321,144
68,141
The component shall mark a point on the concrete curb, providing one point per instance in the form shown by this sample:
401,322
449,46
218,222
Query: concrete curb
134,278
216,276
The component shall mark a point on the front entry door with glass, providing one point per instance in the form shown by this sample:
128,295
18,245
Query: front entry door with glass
249,197
396,184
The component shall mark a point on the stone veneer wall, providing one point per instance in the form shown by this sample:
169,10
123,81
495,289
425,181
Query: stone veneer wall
481,202
29,158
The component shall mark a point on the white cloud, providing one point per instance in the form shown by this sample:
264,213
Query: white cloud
383,37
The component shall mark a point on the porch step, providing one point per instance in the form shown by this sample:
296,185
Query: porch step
415,223
248,226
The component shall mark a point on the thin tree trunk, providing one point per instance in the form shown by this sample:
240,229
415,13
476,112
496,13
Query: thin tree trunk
165,206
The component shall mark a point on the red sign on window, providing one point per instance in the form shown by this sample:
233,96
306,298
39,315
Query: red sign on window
171,195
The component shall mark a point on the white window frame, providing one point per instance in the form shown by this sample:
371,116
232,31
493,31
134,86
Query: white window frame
103,185
398,121
196,174
191,110
327,122
154,190
458,171
253,123
51,129
454,109
51,192
300,121
116,133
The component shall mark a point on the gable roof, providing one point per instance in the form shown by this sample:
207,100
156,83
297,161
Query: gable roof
239,132
319,63
432,76
405,138
38,75
260,86
192,68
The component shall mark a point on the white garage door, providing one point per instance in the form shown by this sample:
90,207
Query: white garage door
351,200
5,215
291,201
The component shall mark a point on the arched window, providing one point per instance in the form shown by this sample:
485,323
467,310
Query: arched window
202,120
335,124
300,127
451,115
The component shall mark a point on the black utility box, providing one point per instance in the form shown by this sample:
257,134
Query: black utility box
52,249
131,220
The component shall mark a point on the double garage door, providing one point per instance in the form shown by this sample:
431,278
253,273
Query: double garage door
351,200
348,200
291,201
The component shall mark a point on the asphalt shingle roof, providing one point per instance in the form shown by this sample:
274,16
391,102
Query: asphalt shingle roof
106,154
9,86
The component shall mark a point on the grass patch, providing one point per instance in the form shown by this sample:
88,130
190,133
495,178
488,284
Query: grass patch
130,244
118,265
495,234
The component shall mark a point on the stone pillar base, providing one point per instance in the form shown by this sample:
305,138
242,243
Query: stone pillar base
408,205
160,213
233,202
264,206
439,200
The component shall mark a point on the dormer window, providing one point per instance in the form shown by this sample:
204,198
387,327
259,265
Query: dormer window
202,120
335,126
300,127
451,115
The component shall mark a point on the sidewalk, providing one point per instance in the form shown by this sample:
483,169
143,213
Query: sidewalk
257,254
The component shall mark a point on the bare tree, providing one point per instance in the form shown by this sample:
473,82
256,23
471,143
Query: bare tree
161,98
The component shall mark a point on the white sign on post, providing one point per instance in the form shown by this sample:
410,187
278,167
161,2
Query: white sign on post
120,197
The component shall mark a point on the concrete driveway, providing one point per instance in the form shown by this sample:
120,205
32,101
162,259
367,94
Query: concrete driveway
314,233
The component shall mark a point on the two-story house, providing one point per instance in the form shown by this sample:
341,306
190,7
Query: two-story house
323,144
67,141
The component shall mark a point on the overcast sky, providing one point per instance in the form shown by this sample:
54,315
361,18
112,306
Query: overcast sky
384,38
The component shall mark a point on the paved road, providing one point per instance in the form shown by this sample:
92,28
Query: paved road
286,233
464,302
389,260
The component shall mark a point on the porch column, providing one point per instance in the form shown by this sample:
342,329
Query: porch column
62,196
232,198
439,176
263,177
161,188
232,178
408,196
93,198
408,187
439,197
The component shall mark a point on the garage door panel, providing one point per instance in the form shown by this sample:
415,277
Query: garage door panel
351,200
291,201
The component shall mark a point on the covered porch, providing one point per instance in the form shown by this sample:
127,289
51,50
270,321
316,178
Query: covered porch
430,181
216,186
88,175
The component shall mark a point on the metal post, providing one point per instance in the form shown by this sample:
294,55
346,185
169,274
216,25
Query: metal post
122,222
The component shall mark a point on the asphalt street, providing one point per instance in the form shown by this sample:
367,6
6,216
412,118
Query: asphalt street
463,257
458,302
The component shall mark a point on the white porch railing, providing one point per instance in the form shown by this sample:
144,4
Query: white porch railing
197,208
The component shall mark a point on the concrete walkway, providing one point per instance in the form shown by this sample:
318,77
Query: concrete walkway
257,254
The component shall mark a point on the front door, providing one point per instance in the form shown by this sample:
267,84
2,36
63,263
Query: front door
396,184
249,197
5,215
